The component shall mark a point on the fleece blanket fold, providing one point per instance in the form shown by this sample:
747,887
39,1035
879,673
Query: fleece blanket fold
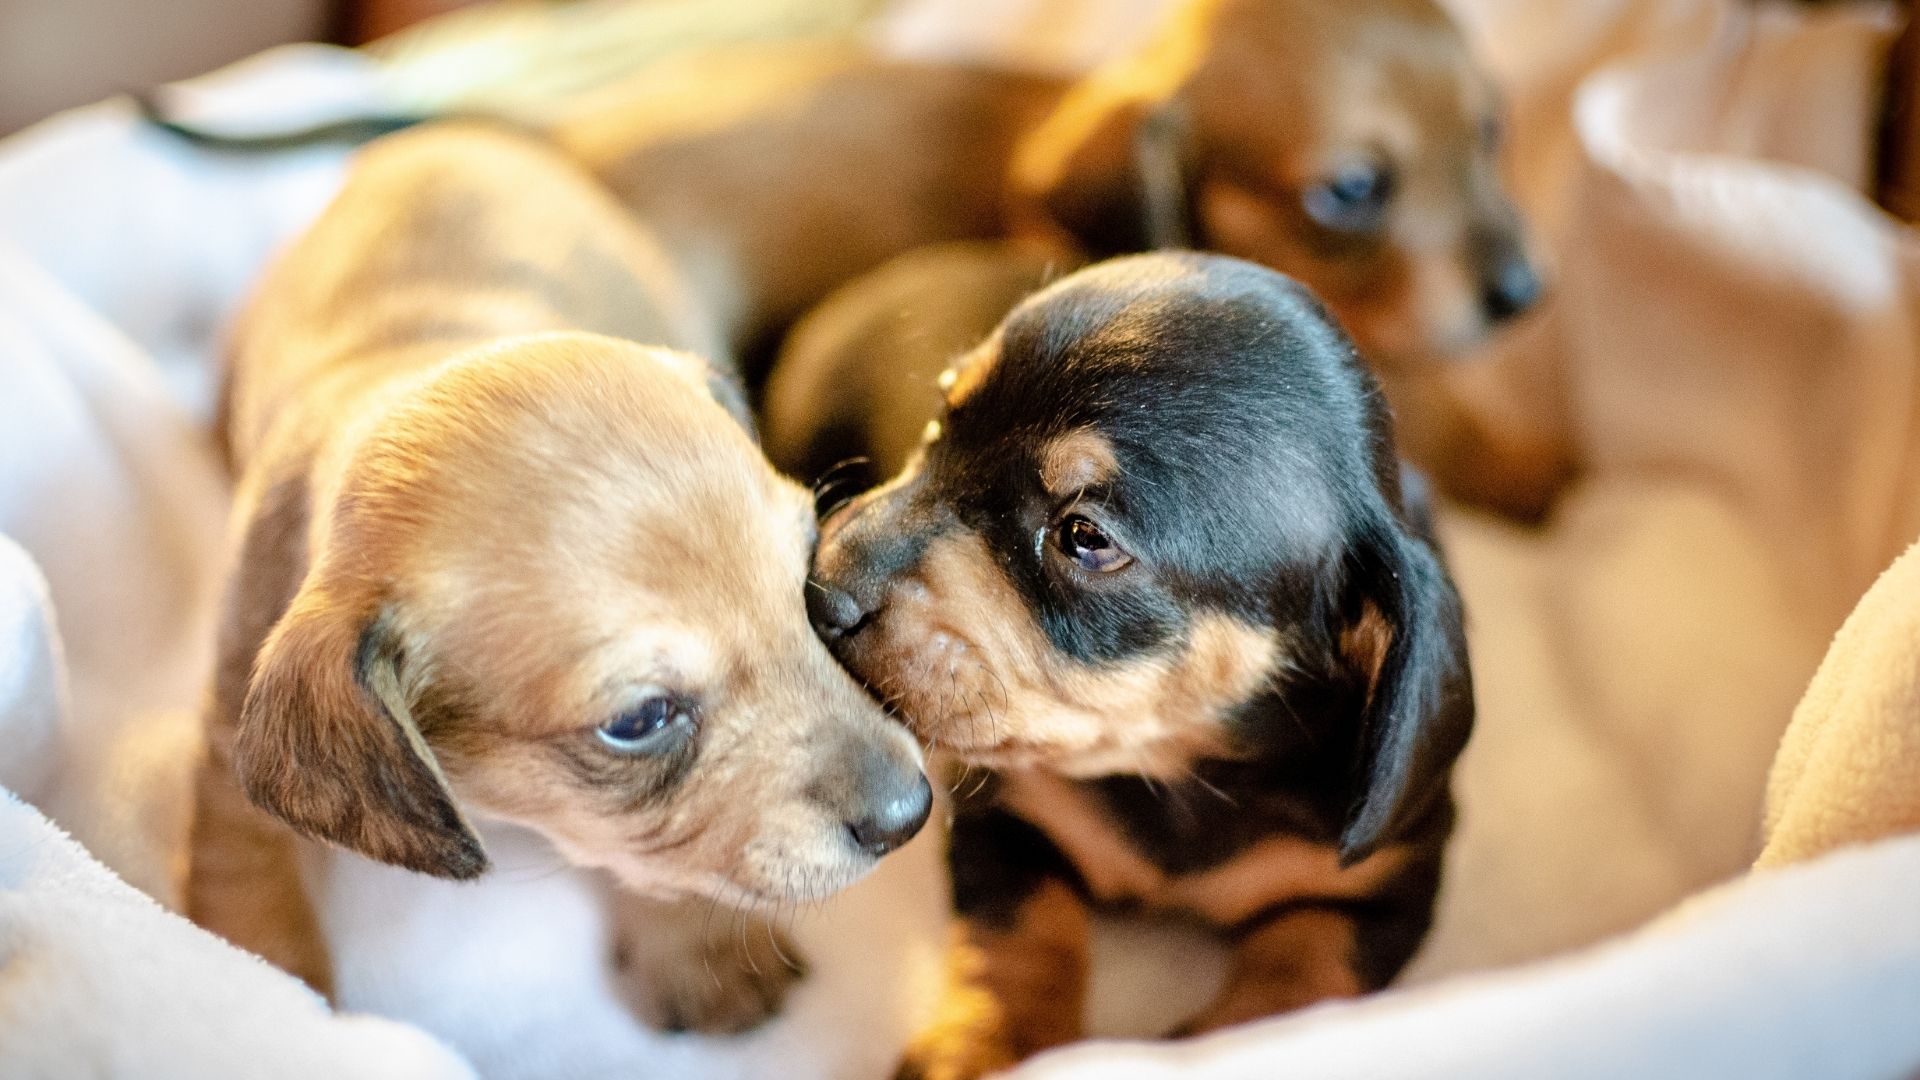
96,979
1810,971
1848,771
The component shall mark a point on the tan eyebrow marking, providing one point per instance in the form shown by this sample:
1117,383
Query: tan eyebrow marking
1079,459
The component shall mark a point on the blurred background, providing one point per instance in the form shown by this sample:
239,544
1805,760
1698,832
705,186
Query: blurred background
1732,332
55,54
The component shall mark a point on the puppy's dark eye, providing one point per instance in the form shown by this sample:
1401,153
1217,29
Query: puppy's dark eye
1354,199
646,726
1090,548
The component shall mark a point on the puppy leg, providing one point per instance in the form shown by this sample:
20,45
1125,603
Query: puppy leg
1017,971
1301,951
689,966
1014,989
1291,960
243,880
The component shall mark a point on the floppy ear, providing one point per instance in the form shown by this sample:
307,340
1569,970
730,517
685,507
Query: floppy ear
1404,641
1113,175
327,743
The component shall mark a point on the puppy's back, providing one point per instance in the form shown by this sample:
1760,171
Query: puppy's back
787,169
858,376
441,238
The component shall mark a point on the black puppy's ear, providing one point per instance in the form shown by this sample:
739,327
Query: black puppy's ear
327,743
1115,176
1404,642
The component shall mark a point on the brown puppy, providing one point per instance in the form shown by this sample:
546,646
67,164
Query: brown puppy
1156,568
1351,145
498,562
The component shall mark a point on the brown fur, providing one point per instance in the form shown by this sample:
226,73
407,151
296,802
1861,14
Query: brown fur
1013,991
780,173
967,1036
1018,988
1037,970
964,656
478,521
1279,869
1075,461
1297,959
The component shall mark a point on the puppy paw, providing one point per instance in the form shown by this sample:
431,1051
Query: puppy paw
720,979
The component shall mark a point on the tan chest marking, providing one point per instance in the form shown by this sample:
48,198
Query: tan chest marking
1276,869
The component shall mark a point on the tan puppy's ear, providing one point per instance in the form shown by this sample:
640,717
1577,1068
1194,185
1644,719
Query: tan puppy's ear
1114,175
327,743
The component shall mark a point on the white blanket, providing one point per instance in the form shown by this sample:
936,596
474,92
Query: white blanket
96,979
1734,323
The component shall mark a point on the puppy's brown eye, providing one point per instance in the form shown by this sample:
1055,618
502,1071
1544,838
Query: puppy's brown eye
650,725
1353,199
1090,548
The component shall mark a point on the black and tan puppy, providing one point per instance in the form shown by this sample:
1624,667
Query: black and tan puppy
1155,568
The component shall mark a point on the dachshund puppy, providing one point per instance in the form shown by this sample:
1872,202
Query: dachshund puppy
1155,568
508,555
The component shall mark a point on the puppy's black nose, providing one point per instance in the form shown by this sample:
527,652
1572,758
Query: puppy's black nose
834,611
1511,289
893,820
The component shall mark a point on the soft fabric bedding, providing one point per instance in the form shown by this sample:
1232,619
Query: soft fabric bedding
1733,335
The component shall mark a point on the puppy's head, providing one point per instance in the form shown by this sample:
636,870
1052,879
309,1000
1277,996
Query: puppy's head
1351,145
1160,520
554,583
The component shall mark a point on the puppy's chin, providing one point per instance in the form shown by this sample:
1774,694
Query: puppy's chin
770,884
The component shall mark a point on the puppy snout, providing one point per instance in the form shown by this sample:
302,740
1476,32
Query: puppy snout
858,562
834,611
1511,287
893,813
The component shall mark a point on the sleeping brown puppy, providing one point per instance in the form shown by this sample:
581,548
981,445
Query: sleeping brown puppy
1352,145
501,563
1156,569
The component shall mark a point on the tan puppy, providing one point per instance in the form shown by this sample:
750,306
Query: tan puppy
499,562
1350,145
